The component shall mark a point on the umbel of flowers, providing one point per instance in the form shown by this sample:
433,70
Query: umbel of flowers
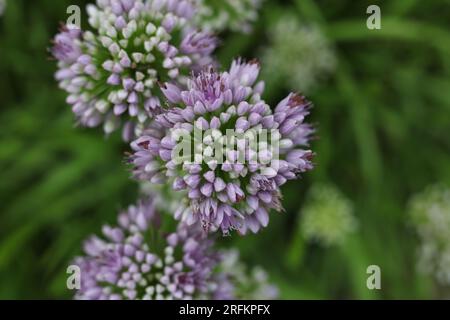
236,15
147,66
239,192
298,56
2,6
245,284
111,71
430,214
136,260
327,216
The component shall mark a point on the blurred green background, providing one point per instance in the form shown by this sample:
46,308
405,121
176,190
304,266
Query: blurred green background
383,119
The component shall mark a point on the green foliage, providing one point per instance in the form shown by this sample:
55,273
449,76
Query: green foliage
382,118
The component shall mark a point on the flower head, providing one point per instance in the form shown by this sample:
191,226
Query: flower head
245,283
135,260
327,216
225,148
430,213
111,71
236,15
298,55
2,6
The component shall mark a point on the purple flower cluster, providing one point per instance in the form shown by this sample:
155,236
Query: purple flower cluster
111,73
147,66
135,260
238,193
